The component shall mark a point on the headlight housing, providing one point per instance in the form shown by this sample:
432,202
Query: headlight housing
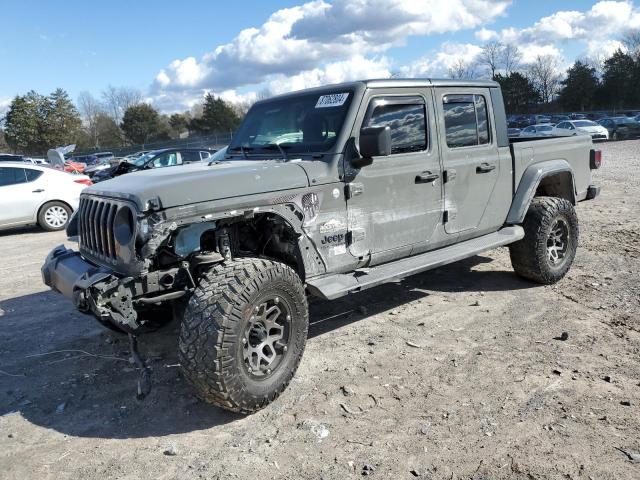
123,225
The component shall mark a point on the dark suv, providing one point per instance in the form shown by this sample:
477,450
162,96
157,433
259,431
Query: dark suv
167,157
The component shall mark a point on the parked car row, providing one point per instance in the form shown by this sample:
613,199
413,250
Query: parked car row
609,128
166,157
522,121
48,194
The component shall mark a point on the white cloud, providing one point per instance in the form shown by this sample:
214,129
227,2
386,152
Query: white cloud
298,40
439,63
354,68
485,35
604,19
321,42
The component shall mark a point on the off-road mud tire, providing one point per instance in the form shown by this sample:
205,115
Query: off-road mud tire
529,256
213,328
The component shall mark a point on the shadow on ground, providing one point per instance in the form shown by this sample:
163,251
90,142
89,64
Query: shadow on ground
61,370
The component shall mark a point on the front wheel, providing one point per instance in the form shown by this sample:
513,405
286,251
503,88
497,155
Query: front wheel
550,241
243,333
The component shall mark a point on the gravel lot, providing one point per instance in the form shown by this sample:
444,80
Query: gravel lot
455,373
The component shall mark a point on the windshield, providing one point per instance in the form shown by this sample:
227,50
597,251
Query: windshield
141,160
585,123
624,120
295,124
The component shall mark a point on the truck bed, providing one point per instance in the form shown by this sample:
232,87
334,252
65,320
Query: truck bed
573,150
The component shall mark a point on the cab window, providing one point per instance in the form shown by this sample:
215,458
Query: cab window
12,176
190,156
406,119
466,120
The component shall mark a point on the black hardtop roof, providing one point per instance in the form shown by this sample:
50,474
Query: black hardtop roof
393,83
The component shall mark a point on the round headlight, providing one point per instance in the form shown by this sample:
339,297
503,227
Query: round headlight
123,226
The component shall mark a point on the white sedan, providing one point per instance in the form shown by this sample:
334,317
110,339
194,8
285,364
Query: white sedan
33,194
581,127
539,130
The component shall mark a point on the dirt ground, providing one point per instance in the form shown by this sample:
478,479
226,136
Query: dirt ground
452,374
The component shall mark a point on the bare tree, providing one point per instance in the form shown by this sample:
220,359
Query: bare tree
462,70
90,109
511,57
544,76
242,107
631,41
118,99
492,56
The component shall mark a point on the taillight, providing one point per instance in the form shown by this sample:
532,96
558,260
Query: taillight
595,159
84,181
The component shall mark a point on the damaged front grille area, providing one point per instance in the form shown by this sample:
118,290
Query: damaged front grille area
96,227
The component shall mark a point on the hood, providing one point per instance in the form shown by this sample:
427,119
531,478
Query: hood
199,182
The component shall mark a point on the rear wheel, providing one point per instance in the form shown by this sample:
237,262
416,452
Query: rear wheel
54,216
615,137
243,333
549,246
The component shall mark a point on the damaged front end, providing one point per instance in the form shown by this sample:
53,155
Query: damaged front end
133,261
114,300
118,274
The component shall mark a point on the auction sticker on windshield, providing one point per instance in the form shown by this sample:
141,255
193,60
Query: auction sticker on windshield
333,100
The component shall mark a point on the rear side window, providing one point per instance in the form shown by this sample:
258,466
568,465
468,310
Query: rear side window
406,121
12,176
205,155
466,120
32,174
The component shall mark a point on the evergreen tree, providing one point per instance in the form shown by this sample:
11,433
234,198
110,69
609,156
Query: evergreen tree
141,124
618,80
518,92
23,123
579,88
217,117
60,120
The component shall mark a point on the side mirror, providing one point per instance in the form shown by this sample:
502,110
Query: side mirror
375,142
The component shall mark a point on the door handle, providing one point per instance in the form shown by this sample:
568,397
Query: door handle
38,190
485,168
427,177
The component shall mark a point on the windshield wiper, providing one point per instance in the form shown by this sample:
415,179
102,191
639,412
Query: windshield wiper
273,146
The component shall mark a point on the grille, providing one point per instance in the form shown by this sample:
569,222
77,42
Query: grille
95,225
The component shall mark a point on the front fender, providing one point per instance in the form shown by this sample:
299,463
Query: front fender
529,182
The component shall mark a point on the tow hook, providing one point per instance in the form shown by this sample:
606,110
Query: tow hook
144,378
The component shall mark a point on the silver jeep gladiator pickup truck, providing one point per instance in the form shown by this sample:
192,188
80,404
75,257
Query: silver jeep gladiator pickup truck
325,192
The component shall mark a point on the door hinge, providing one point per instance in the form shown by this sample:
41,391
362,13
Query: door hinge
445,216
448,175
353,189
355,235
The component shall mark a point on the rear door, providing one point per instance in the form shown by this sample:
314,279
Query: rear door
469,153
396,201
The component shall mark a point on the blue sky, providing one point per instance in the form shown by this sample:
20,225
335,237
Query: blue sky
174,52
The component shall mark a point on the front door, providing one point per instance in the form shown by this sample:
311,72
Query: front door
18,197
396,202
469,154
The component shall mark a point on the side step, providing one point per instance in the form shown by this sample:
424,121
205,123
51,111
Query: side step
334,286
